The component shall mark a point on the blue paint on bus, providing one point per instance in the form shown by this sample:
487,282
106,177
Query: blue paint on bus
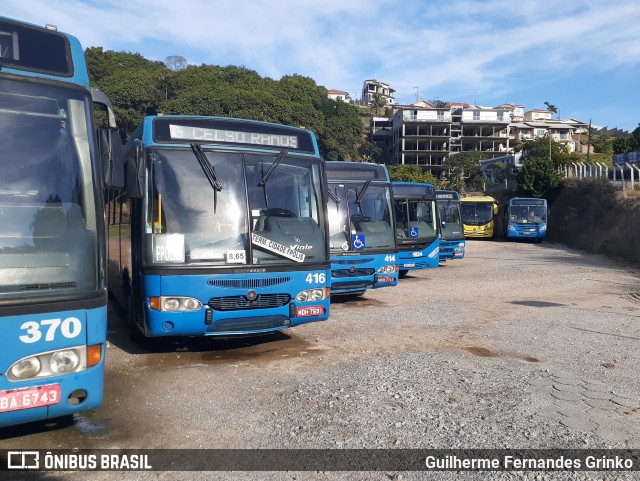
361,234
415,208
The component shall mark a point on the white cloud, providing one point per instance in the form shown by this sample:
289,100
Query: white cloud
461,47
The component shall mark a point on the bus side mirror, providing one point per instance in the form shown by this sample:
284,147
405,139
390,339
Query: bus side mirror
135,171
495,209
110,149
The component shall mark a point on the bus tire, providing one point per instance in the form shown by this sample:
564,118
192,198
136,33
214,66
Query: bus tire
402,273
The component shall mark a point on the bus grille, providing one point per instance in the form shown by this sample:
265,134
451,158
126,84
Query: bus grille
336,286
238,303
340,273
248,283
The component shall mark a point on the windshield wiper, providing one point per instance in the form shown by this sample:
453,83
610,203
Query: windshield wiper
362,191
333,196
209,172
267,174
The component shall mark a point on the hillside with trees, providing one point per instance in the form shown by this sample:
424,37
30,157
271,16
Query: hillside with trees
138,87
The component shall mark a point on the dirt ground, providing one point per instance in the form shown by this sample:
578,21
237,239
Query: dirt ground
596,216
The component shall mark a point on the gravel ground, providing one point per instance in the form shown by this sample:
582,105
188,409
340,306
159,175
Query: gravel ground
515,346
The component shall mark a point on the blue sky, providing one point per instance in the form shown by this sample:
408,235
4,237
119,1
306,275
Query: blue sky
582,56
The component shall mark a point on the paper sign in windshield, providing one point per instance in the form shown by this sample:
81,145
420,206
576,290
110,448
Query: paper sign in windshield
277,248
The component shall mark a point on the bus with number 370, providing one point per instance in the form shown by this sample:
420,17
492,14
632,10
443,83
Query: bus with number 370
53,293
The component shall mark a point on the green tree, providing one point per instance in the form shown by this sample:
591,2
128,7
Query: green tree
463,170
370,152
602,144
378,103
543,147
539,178
551,108
410,173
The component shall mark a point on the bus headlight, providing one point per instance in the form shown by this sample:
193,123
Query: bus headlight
25,368
511,227
175,304
388,269
543,227
51,363
312,295
434,253
64,361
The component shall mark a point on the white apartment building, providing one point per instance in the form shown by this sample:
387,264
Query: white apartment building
370,87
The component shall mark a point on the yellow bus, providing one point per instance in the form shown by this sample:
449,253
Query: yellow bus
478,216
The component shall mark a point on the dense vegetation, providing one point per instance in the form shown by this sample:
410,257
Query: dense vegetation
138,87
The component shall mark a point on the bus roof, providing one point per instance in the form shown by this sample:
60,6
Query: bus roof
239,133
28,49
413,189
362,171
527,201
478,198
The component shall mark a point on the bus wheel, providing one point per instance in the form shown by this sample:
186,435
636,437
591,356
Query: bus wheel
402,273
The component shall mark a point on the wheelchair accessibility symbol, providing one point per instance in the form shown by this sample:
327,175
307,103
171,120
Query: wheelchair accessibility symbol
413,232
357,241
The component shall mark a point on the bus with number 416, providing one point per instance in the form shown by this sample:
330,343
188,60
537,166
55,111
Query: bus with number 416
221,230
53,165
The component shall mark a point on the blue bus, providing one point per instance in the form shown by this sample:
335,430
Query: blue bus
53,293
221,230
416,226
452,241
361,234
526,218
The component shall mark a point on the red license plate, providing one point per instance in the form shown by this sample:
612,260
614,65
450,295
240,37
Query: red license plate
386,279
309,311
30,397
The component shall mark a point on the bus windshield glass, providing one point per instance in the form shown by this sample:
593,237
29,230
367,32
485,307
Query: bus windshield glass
415,219
450,218
47,198
362,210
533,214
190,221
476,213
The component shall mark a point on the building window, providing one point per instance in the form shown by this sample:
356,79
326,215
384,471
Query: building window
541,132
500,116
476,116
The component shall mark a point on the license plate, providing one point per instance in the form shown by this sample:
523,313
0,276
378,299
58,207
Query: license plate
30,397
309,311
409,264
385,279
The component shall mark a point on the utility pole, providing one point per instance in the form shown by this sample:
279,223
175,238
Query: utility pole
589,141
417,89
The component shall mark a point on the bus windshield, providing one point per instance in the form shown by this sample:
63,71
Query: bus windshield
415,219
363,210
47,199
476,213
533,214
450,218
190,221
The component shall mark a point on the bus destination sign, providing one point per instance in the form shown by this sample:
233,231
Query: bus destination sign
221,131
